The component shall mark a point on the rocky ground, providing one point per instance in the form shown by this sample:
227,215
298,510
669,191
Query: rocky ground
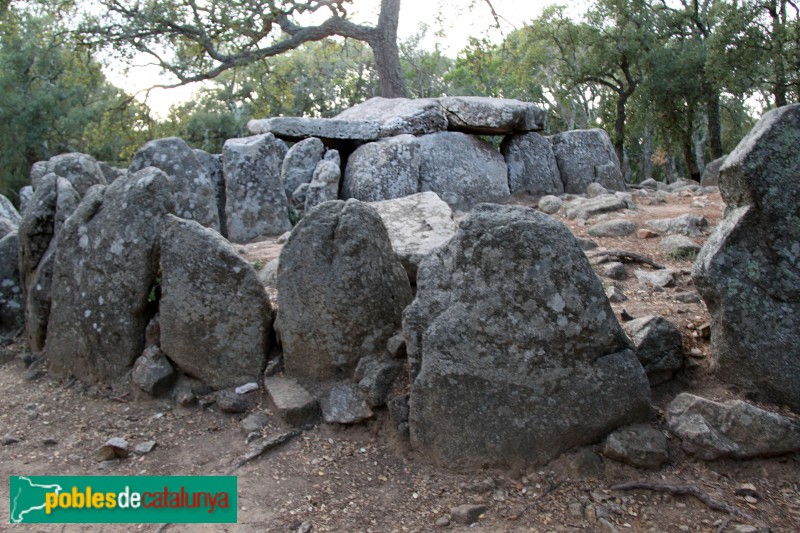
363,479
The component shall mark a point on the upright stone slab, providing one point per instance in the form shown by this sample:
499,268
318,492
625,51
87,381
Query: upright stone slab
515,353
105,271
341,291
299,164
711,172
383,170
212,167
462,169
256,202
81,170
8,211
532,167
191,184
25,195
324,185
11,302
37,227
748,272
584,157
214,314
399,116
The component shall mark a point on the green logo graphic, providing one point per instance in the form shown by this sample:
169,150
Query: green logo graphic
122,499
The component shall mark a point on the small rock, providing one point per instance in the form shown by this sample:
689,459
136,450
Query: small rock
550,204
49,442
658,345
8,440
152,372
687,297
254,422
606,526
467,513
293,404
483,486
143,448
152,335
612,228
247,387
615,295
646,234
680,247
396,345
274,366
615,270
576,509
231,402
345,404
639,445
283,238
443,521
376,377
113,448
743,528
658,278
586,244
305,527
747,489
689,225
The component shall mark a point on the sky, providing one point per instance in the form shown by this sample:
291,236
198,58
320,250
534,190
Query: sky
453,18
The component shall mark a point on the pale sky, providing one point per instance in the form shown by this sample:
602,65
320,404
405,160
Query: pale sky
457,21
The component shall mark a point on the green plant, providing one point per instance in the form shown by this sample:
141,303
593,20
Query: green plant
258,264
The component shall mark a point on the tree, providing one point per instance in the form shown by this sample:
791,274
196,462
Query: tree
198,40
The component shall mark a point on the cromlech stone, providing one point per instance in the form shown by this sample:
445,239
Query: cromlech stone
748,272
212,166
492,116
398,116
81,170
191,185
532,166
658,345
25,194
462,169
11,301
733,429
299,164
105,269
297,128
341,291
711,172
215,317
383,170
416,224
584,157
324,185
8,211
514,350
256,204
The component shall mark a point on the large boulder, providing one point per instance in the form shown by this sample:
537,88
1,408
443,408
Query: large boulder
212,167
81,170
105,271
532,167
11,302
25,195
299,164
298,128
748,272
37,227
256,202
462,169
514,350
398,116
341,291
492,116
584,157
382,170
711,172
191,185
214,314
417,224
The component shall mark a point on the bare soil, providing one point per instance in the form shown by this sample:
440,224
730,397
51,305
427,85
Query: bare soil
363,479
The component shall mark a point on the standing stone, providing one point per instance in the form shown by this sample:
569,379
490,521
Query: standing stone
658,345
6,227
341,291
324,185
11,302
25,194
212,167
81,170
299,164
462,169
748,272
514,349
111,174
711,173
215,317
584,157
105,268
256,202
383,170
191,185
398,116
532,167
416,224
37,227
8,211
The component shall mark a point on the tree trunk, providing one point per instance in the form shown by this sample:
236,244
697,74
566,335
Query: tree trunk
619,130
383,43
714,124
646,162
